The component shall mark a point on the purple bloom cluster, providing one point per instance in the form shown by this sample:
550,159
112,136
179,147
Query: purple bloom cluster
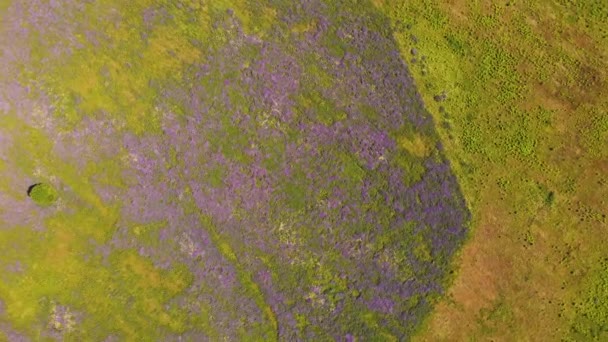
274,179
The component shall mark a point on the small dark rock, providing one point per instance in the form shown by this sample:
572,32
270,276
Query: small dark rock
414,60
414,39
414,51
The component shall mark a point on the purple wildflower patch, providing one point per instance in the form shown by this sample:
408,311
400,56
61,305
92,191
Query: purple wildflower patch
270,171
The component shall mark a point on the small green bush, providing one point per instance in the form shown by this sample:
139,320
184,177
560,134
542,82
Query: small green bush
43,194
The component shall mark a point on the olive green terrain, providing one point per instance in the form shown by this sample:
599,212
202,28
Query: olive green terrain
525,124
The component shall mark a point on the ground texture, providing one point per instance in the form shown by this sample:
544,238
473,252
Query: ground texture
188,170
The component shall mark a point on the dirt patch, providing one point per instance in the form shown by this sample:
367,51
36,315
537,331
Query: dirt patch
458,10
483,271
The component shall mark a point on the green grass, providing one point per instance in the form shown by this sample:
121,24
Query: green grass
525,117
592,320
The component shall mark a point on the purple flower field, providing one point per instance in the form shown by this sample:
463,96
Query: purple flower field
247,171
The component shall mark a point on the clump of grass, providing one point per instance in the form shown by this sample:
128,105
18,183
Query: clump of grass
591,322
550,199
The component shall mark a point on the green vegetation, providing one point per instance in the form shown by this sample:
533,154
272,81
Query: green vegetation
43,194
524,126
592,320
525,129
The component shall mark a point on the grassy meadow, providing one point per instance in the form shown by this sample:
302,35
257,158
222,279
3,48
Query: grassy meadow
524,122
